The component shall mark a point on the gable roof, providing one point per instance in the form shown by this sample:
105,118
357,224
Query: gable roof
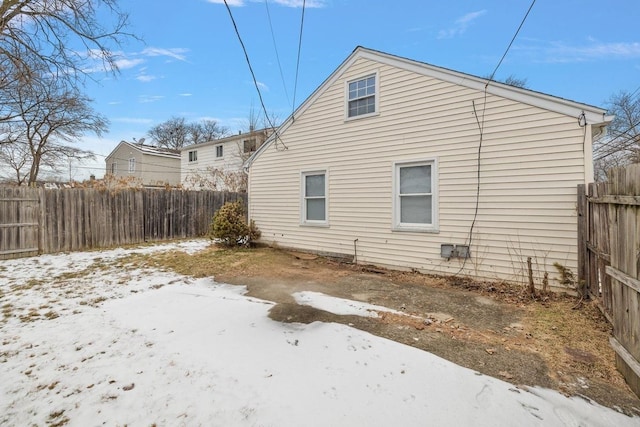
148,149
593,115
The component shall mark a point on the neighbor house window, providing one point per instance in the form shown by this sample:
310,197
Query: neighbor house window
193,156
314,198
114,168
361,97
219,150
132,165
415,196
249,145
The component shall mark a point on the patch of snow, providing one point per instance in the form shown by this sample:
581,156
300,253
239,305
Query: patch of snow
199,353
340,306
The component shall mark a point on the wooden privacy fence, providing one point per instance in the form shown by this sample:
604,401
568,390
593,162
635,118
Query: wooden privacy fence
35,220
609,261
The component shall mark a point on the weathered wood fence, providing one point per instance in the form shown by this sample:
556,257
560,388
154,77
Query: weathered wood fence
609,261
35,220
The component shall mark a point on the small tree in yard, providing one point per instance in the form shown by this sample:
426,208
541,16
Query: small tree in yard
230,228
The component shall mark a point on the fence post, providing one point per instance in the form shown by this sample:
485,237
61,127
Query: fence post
583,275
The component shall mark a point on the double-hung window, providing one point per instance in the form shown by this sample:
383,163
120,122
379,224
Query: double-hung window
415,196
132,164
219,151
193,156
361,97
314,198
114,168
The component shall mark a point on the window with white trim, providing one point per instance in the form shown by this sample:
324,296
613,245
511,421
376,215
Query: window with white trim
415,196
193,156
219,150
132,164
314,198
361,97
114,168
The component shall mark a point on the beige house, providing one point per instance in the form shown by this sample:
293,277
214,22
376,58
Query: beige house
217,164
398,163
152,166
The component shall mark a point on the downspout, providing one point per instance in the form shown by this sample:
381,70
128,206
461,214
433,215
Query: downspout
245,169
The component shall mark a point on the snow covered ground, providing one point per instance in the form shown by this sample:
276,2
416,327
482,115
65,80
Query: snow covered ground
87,341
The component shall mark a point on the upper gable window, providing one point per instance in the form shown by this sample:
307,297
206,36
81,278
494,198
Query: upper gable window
361,97
249,145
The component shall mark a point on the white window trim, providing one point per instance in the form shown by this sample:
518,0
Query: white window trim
422,228
189,156
114,168
375,74
132,164
303,211
223,150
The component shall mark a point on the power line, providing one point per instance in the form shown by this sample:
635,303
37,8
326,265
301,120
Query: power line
510,43
253,75
275,47
480,123
295,85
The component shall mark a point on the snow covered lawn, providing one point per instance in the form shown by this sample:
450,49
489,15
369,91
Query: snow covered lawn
88,341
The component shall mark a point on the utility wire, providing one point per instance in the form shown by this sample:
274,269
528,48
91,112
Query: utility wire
295,85
510,43
253,75
480,123
275,47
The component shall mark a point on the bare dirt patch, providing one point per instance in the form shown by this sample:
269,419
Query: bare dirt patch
495,329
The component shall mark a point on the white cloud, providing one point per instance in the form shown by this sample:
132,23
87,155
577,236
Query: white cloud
592,50
229,2
175,53
285,3
185,94
145,78
298,3
460,25
125,63
263,86
146,99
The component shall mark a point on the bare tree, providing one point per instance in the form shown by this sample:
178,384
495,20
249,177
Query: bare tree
176,133
621,144
173,133
48,118
512,80
41,33
206,130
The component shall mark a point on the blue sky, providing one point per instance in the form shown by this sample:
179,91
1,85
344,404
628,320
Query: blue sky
191,63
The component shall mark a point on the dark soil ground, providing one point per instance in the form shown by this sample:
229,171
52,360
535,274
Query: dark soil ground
552,341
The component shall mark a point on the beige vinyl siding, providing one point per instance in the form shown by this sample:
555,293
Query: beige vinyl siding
531,161
151,170
158,170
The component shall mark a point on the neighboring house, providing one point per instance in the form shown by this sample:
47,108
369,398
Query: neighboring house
152,166
217,164
380,164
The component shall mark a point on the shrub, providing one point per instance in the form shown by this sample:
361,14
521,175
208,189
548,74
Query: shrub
230,228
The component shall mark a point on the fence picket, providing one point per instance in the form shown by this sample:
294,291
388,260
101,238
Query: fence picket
612,273
47,221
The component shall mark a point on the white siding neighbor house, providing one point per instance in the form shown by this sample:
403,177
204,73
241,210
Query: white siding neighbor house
402,164
217,164
149,165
